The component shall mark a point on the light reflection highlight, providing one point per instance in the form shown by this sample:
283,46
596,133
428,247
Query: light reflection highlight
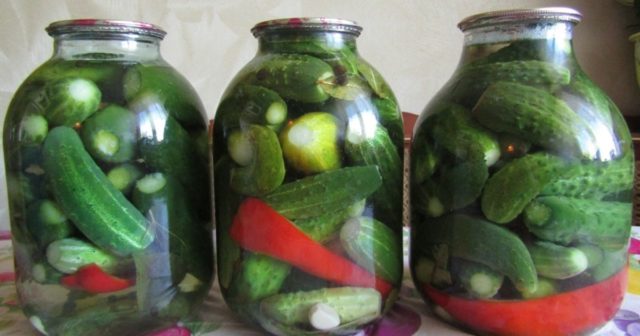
152,116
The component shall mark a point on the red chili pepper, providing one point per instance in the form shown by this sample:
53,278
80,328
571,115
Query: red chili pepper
70,281
93,279
570,313
259,228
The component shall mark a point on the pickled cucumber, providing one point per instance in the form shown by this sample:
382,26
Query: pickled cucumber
251,104
537,116
70,101
340,148
85,194
549,218
568,220
483,242
263,169
471,81
295,76
453,128
351,303
74,142
374,147
110,134
594,179
510,189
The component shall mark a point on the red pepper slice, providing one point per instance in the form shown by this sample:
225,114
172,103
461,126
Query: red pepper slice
93,279
259,228
569,313
70,281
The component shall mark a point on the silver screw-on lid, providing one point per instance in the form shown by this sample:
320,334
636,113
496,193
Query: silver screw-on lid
520,15
307,24
104,26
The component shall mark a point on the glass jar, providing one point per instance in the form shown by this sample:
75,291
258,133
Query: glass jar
108,178
308,182
521,179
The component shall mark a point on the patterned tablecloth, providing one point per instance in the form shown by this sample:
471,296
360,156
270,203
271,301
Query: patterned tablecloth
410,316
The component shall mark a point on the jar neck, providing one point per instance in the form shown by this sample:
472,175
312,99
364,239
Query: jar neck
308,41
128,47
543,40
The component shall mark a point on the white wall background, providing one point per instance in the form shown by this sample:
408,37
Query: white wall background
415,44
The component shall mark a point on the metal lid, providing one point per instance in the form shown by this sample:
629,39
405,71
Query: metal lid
319,24
520,15
105,26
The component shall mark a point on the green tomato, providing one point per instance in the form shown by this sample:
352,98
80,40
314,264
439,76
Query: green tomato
310,143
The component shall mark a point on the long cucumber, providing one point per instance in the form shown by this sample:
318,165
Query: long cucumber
470,82
324,227
350,303
452,127
482,242
567,220
226,203
556,261
69,254
314,195
374,246
258,152
296,77
510,189
88,198
535,115
594,179
378,149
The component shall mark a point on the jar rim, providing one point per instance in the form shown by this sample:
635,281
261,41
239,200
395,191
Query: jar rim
566,14
58,28
317,24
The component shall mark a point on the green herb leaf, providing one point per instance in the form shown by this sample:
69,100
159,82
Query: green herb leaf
353,88
375,80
